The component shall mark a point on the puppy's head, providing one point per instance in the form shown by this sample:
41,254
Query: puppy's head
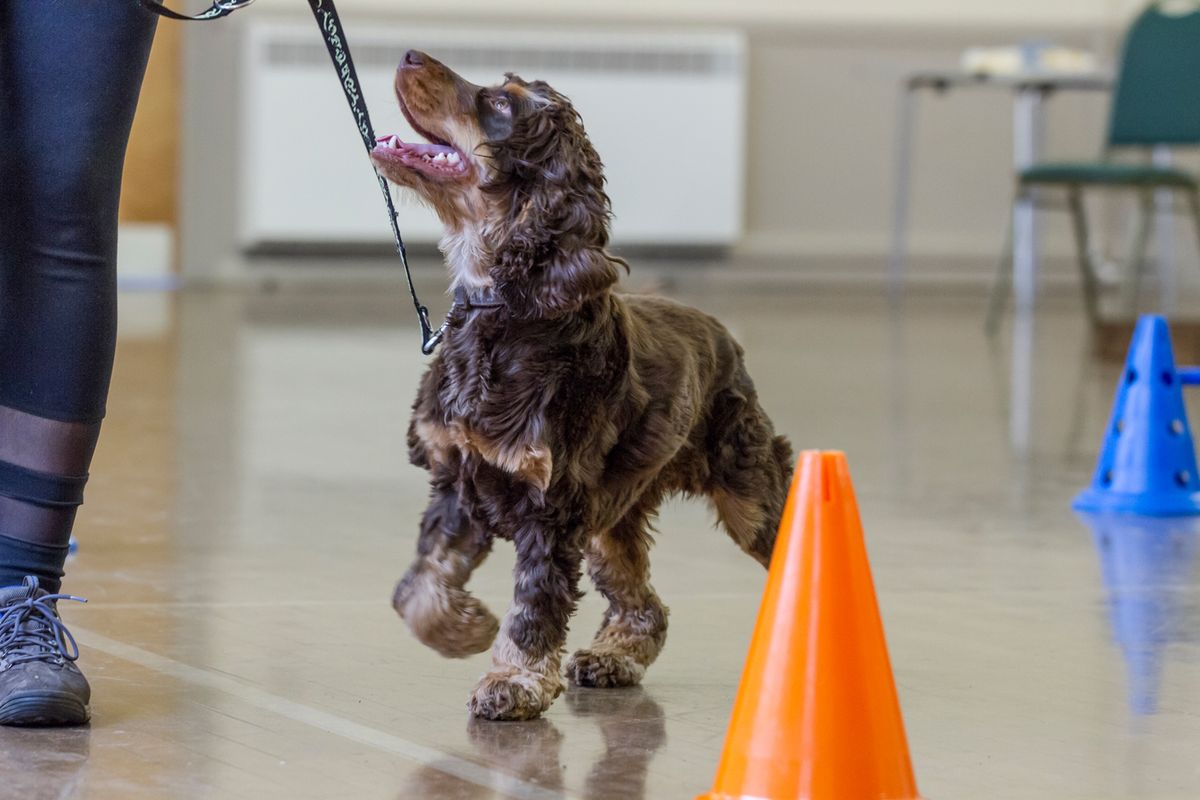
512,175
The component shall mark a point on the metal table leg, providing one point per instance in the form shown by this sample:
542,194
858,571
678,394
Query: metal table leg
903,143
1027,136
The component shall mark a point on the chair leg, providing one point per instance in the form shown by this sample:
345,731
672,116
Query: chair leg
1082,245
1135,265
1001,285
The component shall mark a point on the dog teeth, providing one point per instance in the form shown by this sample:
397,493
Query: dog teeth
452,158
440,158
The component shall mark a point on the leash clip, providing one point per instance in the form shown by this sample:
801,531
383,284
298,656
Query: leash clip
430,338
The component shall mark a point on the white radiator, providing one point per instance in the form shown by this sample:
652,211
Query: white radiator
666,112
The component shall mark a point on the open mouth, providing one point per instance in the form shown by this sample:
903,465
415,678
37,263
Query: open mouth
437,158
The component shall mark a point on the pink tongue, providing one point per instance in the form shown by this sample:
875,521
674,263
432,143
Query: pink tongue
416,147
431,148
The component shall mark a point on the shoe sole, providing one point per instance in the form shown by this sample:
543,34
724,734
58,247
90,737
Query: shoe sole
43,710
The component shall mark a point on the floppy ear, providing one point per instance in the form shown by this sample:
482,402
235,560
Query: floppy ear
549,256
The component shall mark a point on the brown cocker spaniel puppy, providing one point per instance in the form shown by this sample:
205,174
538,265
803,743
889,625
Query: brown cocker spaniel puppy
557,414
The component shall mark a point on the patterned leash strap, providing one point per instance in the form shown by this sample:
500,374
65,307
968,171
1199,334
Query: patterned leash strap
219,8
325,13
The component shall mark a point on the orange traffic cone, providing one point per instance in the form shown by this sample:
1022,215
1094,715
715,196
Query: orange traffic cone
816,716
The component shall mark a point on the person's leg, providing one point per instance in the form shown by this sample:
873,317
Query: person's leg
70,74
43,468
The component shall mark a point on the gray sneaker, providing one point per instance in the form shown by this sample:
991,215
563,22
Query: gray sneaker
39,682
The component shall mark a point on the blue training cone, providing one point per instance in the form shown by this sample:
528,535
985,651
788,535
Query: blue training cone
1148,464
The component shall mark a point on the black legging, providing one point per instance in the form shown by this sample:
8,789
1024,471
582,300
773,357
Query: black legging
70,74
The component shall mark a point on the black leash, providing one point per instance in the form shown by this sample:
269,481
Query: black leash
330,24
219,8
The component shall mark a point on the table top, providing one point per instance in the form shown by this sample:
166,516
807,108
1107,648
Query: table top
941,80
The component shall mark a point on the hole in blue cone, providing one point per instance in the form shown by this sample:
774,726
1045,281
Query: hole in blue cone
1120,426
1168,377
1131,376
1106,478
1176,427
1183,477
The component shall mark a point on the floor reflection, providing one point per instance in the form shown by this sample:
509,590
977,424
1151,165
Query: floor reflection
531,751
44,763
633,727
1147,566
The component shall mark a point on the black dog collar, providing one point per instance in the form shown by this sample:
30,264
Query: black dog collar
477,300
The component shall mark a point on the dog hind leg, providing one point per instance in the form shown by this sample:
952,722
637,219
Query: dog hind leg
635,625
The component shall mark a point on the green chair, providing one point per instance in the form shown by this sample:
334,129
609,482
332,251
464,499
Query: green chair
1156,102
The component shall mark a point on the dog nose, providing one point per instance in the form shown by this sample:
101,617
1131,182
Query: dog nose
414,58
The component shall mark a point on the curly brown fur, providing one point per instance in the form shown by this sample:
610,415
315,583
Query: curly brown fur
560,419
634,628
431,597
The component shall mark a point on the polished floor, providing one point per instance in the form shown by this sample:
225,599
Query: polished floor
251,507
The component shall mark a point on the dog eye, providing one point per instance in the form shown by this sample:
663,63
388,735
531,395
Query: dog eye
500,104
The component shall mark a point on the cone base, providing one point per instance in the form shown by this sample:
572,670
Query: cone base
716,796
1173,504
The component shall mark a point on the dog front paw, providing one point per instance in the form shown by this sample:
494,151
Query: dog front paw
450,621
604,670
512,694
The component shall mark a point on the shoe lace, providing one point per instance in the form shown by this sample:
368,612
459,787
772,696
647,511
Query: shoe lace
30,630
